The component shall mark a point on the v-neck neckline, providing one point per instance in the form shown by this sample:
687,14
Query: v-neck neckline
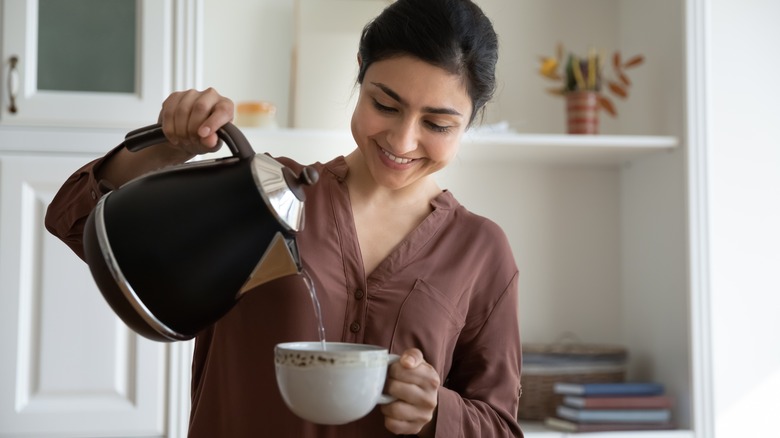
407,249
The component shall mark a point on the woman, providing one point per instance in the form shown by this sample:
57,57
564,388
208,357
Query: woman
397,261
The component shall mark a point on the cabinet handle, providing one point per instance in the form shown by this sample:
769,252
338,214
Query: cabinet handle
13,84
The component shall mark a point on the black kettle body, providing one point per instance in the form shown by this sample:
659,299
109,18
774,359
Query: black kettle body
172,251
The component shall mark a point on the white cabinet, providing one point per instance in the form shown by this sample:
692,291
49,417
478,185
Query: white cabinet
85,63
70,367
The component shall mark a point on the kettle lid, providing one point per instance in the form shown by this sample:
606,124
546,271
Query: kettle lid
282,190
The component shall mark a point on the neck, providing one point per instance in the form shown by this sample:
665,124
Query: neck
362,186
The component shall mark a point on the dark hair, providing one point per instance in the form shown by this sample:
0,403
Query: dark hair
451,34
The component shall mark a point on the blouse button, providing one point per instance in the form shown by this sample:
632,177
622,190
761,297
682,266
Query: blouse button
359,294
94,195
354,327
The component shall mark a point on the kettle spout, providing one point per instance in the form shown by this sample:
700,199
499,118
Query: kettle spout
280,259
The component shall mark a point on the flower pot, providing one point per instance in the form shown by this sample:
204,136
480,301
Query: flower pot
582,112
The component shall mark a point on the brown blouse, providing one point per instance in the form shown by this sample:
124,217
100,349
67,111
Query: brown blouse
449,289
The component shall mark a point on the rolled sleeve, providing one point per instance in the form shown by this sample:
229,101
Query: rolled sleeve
68,211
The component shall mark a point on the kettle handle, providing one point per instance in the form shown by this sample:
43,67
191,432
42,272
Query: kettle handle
153,134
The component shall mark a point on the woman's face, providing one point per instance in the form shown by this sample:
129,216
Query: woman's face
409,119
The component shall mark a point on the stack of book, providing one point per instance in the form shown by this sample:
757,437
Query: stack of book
564,361
592,407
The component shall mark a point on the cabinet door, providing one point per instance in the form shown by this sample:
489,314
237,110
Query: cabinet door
69,366
85,62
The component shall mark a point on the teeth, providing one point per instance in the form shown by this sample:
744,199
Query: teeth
398,160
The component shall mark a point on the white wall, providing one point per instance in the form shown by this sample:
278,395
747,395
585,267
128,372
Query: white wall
654,256
744,213
247,50
525,32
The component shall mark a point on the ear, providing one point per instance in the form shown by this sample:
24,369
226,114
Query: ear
360,61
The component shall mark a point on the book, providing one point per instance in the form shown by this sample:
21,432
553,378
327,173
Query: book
605,389
572,426
614,415
619,402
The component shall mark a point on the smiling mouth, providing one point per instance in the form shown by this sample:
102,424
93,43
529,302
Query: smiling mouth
397,160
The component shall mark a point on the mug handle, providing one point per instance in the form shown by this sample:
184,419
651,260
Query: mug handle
385,398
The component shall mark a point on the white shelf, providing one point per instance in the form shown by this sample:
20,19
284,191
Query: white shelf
319,145
563,148
538,430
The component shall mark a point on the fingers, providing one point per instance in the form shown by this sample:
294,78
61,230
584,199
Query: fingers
418,387
190,119
414,370
411,358
168,115
409,416
221,113
415,384
401,420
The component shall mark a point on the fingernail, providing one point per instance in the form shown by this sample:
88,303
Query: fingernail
204,131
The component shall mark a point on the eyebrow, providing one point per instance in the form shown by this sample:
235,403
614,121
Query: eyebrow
428,109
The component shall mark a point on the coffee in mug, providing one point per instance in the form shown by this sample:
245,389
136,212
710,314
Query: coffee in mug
337,385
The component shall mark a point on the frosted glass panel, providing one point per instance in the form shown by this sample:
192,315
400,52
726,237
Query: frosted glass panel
87,45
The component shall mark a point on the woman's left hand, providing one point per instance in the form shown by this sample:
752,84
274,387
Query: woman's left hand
415,385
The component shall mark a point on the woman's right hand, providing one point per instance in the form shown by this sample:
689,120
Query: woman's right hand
190,119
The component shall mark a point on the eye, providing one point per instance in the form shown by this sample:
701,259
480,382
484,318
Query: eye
383,108
437,128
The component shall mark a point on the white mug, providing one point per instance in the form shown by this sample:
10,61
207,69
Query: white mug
337,385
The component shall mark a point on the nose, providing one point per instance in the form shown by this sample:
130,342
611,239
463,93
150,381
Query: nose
403,137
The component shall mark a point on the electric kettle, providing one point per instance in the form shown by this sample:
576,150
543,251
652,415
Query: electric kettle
172,251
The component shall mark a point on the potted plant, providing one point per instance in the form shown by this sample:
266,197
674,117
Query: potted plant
584,82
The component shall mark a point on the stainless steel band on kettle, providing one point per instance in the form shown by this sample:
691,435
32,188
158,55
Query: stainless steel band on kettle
121,281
